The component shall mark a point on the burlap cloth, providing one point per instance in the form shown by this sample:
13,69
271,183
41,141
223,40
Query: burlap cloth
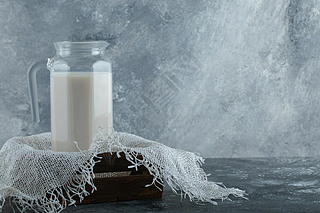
30,171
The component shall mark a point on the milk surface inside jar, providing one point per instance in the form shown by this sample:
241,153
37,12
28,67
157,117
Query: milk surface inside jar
81,103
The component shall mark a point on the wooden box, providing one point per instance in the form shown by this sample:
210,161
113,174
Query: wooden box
116,182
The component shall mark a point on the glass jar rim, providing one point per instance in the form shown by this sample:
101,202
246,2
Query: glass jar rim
80,44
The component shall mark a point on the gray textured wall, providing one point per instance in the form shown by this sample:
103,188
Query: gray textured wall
221,78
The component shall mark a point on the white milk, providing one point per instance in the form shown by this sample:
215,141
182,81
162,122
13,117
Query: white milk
81,102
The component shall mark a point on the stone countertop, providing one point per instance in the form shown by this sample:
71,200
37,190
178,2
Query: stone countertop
272,184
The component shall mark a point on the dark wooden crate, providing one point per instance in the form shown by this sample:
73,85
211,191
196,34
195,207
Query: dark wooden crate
123,188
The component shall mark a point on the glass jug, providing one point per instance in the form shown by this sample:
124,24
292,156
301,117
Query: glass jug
80,94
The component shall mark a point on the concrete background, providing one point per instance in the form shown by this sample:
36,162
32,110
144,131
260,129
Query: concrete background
221,78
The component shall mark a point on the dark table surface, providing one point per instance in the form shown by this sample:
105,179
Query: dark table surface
272,184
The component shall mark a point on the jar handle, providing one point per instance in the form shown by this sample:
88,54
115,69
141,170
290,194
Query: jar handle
33,92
